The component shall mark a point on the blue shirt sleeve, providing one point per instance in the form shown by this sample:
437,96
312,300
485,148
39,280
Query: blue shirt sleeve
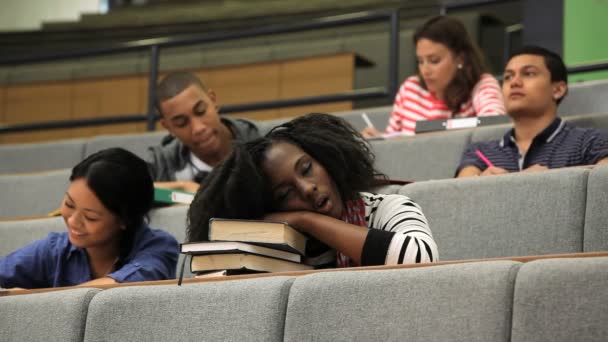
30,266
154,257
470,158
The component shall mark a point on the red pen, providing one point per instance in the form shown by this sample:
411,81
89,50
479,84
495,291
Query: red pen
484,158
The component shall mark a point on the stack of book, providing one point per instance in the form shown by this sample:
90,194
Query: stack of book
245,246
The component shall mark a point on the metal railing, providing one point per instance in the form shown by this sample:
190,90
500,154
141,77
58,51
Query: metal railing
589,67
156,44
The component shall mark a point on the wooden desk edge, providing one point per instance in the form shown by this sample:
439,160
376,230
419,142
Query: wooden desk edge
522,259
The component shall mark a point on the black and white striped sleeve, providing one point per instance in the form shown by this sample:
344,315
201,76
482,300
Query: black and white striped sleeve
399,232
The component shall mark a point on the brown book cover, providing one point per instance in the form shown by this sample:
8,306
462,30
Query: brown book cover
227,247
243,261
277,235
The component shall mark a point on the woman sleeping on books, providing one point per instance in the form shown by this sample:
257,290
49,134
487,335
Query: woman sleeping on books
314,173
107,240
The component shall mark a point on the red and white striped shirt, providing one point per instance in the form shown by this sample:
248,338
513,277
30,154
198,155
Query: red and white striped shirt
414,103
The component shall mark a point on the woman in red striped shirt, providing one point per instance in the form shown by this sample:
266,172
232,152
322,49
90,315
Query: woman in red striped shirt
452,80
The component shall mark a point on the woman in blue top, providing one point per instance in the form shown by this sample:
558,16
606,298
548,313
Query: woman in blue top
107,240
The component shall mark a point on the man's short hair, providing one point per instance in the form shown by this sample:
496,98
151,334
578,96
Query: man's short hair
553,62
173,84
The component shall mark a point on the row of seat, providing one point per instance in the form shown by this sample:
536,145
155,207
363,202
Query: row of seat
543,300
586,97
556,211
437,155
424,157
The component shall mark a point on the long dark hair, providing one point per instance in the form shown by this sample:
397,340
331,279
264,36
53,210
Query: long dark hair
452,33
121,181
239,189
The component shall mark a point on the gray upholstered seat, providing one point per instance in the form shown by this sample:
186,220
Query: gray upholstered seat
598,120
506,215
596,216
137,143
466,302
430,156
585,98
241,310
33,157
51,316
561,300
16,234
377,115
173,220
32,194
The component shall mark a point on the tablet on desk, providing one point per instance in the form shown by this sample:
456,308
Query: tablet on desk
459,123
385,136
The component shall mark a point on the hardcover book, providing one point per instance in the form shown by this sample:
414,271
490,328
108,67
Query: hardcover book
228,247
169,196
243,261
277,235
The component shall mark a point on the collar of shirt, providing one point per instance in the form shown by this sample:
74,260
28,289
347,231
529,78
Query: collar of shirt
547,135
74,250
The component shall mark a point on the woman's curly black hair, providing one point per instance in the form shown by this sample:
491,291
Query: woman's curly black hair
239,189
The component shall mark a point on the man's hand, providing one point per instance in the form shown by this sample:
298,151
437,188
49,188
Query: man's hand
469,171
535,167
189,186
493,170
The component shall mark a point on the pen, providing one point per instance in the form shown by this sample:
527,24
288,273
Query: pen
484,158
368,122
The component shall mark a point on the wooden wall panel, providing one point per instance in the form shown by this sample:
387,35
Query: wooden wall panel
2,105
127,94
245,83
318,76
110,97
38,102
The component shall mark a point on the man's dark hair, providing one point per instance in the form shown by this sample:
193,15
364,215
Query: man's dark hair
553,62
239,189
173,84
122,183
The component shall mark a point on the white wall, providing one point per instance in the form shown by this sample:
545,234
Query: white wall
21,15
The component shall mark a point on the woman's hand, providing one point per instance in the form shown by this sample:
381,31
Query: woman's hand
337,234
370,132
293,218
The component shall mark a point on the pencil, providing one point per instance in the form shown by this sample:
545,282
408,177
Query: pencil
368,122
484,158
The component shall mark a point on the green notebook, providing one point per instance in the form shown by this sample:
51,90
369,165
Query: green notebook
162,195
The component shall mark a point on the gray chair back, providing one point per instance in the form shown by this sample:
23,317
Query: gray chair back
506,215
50,316
33,194
238,310
34,157
137,143
466,302
585,98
